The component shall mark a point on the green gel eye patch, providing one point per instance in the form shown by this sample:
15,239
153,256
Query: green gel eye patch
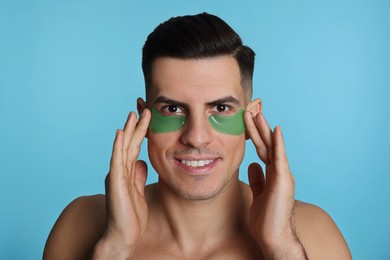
232,125
165,124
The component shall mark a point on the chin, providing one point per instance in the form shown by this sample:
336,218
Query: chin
198,195
202,192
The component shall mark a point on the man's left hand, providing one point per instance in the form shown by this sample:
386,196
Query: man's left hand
272,210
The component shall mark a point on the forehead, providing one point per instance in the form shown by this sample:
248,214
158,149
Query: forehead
202,80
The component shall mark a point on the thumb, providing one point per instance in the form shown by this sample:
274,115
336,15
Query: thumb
256,179
141,173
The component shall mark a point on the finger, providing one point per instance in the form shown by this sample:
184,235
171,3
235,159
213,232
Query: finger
256,179
281,162
115,175
116,164
138,136
266,135
255,137
128,133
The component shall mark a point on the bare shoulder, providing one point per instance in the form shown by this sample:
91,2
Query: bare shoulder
77,229
318,233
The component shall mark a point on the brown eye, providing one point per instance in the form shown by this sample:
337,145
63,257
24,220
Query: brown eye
221,108
172,109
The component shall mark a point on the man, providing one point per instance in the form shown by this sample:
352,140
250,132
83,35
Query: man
196,117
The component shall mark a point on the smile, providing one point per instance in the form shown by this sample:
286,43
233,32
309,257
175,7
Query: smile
193,163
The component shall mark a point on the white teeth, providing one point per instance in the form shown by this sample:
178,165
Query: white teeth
196,163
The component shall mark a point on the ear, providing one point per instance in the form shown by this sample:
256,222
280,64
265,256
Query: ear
254,107
141,105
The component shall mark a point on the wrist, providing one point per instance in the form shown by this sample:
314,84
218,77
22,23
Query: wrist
292,251
106,249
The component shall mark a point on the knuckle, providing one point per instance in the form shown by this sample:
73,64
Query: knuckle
135,149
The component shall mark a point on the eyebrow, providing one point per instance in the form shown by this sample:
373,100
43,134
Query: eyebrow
227,99
162,99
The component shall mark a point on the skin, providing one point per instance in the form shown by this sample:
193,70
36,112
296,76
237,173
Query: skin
196,213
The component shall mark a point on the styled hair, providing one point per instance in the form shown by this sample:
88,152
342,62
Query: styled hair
195,37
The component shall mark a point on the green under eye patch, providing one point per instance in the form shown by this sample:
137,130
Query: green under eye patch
232,125
165,124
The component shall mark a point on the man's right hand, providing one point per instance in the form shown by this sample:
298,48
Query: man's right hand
127,210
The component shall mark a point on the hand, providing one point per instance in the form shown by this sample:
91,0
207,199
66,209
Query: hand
127,210
271,213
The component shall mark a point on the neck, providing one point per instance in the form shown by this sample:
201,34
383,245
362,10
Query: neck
199,224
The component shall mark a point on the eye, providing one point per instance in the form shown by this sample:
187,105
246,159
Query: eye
171,109
221,108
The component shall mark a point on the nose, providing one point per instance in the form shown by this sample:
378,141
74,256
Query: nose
197,131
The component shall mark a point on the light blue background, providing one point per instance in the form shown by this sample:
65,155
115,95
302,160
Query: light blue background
70,72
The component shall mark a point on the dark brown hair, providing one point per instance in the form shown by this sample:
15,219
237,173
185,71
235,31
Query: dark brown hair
194,37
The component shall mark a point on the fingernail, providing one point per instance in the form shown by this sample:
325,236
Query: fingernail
117,133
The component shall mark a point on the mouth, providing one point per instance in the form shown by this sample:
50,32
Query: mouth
196,163
197,166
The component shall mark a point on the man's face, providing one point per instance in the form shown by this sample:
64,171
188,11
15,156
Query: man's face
196,161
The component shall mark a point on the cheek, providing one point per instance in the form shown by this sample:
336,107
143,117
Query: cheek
238,141
234,147
158,144
239,148
154,153
161,141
